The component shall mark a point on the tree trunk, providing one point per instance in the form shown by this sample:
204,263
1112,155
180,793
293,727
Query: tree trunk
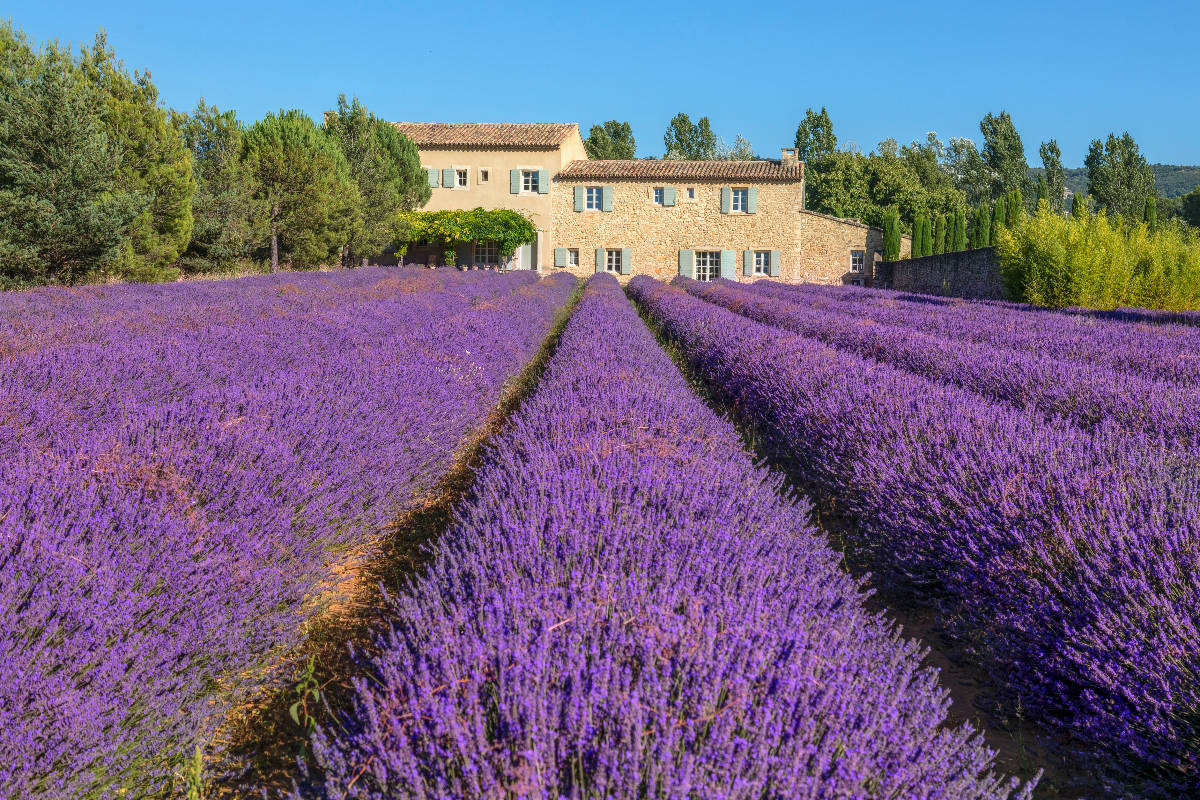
274,241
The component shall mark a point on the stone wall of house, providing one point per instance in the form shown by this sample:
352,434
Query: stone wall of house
655,234
826,245
973,274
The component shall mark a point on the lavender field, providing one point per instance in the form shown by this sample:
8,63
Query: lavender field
627,602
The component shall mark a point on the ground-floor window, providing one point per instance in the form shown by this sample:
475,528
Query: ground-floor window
612,261
708,265
486,253
857,257
573,257
762,262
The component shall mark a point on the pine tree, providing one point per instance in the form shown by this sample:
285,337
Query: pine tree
998,219
960,230
891,234
1150,216
939,234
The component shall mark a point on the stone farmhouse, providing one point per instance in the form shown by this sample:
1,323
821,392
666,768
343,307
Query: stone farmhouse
742,220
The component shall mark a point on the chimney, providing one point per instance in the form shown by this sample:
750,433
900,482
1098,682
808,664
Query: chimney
790,157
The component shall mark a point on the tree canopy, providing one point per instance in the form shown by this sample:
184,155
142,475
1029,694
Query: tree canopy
612,140
814,136
1118,176
689,141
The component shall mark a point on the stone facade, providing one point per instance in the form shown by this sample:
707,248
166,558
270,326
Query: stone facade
973,274
827,244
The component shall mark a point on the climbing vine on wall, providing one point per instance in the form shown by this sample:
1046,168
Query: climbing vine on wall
508,229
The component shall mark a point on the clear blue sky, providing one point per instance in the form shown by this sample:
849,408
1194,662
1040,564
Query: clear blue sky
1071,71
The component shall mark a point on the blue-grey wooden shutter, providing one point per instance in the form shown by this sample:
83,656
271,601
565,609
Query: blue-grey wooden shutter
774,263
752,200
560,256
448,178
669,196
748,262
685,263
435,175
599,259
543,181
726,199
728,259
606,198
579,198
626,260
514,181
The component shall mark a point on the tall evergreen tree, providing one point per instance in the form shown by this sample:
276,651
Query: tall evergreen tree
1118,175
1013,208
1056,176
301,177
999,218
981,231
612,140
814,136
939,234
225,213
1189,207
926,236
1079,207
1004,154
1043,193
154,163
1150,215
891,234
960,231
63,213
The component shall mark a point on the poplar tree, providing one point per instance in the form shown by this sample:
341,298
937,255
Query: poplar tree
1056,176
1118,175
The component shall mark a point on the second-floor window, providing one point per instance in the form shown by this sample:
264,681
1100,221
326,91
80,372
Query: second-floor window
593,198
856,260
484,175
741,199
708,265
612,261
762,262
460,178
659,194
529,180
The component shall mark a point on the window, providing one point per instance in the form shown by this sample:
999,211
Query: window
691,193
593,198
741,200
762,262
856,282
708,265
529,180
484,175
460,178
612,261
573,257
856,260
659,195
486,253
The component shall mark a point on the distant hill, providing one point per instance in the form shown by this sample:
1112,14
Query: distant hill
1171,180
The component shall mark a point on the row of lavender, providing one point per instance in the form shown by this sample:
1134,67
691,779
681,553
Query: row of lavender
1157,351
1068,554
171,495
648,617
1084,393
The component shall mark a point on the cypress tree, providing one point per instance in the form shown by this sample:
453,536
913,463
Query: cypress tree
985,227
939,234
1150,216
916,236
998,219
1078,206
1016,204
1043,192
891,234
927,237
960,230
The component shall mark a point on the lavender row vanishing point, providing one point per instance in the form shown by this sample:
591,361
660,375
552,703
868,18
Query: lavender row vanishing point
171,496
1070,554
646,617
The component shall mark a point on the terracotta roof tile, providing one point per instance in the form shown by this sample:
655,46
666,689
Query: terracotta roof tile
647,169
535,135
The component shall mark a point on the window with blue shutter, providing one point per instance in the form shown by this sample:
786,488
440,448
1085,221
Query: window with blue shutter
543,181
599,259
728,259
435,176
626,260
514,181
747,262
579,198
560,256
726,199
448,178
752,200
685,263
669,196
607,199
774,263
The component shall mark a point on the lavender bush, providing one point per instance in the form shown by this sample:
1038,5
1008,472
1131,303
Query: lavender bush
643,615
179,467
1070,556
